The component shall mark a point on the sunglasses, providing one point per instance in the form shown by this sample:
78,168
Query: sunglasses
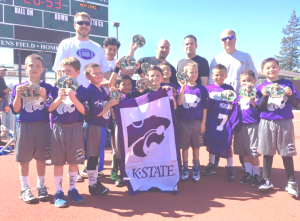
87,23
230,38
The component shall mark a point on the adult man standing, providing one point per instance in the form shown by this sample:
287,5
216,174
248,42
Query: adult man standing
82,48
235,61
190,46
162,52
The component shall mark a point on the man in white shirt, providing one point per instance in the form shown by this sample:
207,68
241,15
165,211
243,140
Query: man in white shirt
235,61
82,48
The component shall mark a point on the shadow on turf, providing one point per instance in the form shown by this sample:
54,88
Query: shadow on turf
193,198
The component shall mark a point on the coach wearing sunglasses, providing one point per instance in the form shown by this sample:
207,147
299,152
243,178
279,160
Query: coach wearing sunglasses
235,61
82,48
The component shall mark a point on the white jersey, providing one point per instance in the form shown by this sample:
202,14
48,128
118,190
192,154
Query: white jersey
112,64
235,63
85,51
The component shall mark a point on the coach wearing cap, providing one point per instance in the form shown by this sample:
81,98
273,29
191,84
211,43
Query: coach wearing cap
82,48
235,61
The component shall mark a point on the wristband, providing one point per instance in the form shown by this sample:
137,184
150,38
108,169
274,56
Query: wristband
116,69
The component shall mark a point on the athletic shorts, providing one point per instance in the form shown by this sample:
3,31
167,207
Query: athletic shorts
67,144
276,135
32,141
246,141
93,139
189,134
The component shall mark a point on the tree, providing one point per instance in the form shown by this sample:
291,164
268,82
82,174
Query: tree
289,58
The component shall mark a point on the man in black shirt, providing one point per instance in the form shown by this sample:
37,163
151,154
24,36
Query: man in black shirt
162,51
190,45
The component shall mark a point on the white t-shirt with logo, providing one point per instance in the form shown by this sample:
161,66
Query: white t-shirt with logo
112,65
85,51
235,63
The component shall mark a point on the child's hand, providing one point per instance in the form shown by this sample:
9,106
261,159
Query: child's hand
134,46
264,91
137,65
20,89
118,63
288,91
61,93
202,128
41,91
113,89
249,84
112,102
182,83
70,93
129,72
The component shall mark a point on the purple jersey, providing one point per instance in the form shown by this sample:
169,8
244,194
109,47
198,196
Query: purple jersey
278,108
194,101
97,99
32,110
66,113
175,86
249,114
222,117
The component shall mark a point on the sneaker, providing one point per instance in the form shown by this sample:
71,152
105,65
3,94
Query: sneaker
98,189
27,196
59,199
75,196
185,174
84,172
119,182
100,174
292,189
114,175
246,179
42,192
257,180
79,178
196,174
266,185
209,170
230,174
48,162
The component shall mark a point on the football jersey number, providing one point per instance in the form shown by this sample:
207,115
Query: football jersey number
225,118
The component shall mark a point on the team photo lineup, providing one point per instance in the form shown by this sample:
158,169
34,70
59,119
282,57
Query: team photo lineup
152,122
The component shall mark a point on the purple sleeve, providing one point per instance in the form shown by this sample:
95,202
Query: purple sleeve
204,98
12,99
51,97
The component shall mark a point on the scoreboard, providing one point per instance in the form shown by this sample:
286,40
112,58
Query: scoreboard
40,25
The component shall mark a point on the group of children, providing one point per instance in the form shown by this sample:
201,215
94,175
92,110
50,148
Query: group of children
203,119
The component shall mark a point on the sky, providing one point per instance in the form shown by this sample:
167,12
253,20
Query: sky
258,25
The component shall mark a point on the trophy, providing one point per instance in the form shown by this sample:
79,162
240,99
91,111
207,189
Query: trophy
247,92
67,82
127,62
181,76
116,94
142,84
30,91
145,68
139,40
228,95
275,90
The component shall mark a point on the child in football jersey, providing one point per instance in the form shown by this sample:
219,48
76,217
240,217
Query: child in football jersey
222,116
191,116
165,66
277,98
97,121
246,137
67,143
33,132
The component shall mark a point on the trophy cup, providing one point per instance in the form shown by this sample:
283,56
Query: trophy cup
127,62
275,90
139,40
247,92
67,82
116,94
30,91
145,68
142,84
228,95
181,76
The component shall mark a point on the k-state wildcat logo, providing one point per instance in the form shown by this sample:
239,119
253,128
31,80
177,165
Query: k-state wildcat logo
85,54
142,135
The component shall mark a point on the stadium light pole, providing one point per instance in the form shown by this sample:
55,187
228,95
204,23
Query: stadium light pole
116,24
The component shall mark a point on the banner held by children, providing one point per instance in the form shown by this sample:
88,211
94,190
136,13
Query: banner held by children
148,143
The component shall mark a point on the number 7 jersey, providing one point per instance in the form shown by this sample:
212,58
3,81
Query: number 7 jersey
222,117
